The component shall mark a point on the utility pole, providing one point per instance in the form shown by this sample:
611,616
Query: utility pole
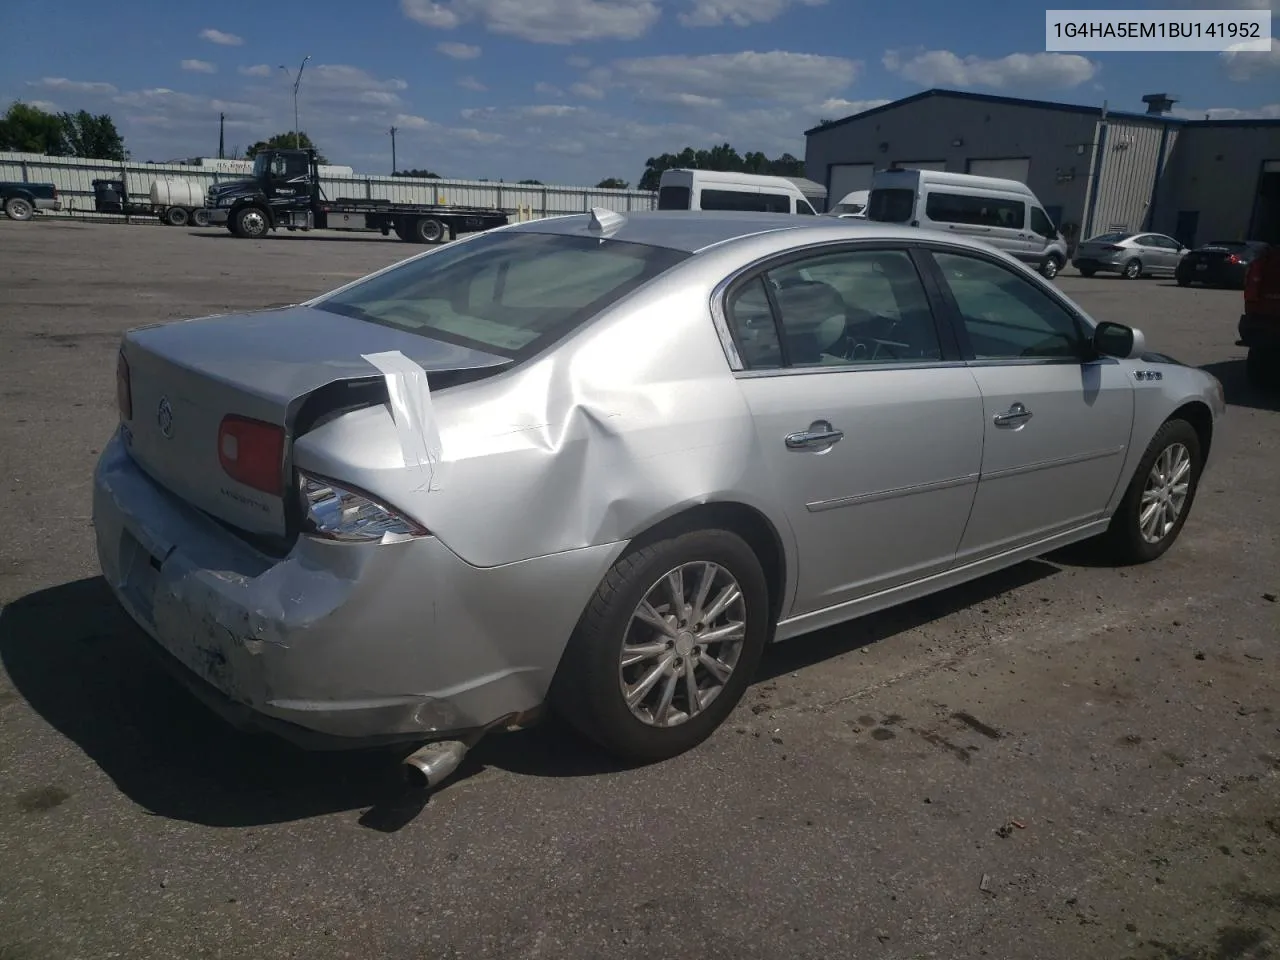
222,134
296,84
393,151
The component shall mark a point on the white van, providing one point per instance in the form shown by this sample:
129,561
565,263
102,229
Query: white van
1004,213
851,205
713,190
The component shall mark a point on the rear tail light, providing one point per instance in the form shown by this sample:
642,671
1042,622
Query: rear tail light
1234,258
252,452
335,512
124,388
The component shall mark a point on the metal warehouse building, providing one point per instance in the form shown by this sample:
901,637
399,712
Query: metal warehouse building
1094,170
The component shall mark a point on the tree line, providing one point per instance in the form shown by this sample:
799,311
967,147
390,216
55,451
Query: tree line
724,159
28,129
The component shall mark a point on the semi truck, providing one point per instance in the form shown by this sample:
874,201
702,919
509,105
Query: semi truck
175,202
285,192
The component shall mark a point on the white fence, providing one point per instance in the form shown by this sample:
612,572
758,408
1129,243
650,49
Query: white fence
74,179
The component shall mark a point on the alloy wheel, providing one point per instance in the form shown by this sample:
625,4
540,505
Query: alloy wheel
1165,493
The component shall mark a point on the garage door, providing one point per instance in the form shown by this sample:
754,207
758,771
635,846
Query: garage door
1007,168
846,178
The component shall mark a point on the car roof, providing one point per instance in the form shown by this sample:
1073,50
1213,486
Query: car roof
692,231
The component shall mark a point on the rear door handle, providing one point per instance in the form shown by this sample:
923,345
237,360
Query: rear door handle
819,434
1014,416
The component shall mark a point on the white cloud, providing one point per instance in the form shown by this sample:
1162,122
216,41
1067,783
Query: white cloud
459,51
220,38
407,121
776,75
740,13
257,70
942,68
837,108
1244,65
588,91
471,83
541,21
199,66
542,88
72,86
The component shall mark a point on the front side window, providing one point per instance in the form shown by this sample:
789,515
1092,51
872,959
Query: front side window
673,198
1005,316
505,293
1041,224
891,206
843,309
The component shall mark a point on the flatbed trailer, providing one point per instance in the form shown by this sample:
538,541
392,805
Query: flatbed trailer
285,193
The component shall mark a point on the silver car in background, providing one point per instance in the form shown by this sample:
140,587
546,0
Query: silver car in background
598,462
1131,255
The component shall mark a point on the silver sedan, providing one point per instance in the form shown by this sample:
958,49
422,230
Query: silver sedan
598,462
1132,255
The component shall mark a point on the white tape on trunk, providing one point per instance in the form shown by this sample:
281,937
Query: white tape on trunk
412,412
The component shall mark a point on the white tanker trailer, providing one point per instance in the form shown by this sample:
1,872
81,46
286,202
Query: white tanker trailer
175,202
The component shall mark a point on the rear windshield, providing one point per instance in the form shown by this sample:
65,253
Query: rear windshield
1109,238
891,206
505,293
673,198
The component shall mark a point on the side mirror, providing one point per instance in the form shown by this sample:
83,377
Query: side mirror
1118,341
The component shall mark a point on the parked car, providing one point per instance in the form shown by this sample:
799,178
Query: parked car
1219,263
483,480
1132,255
1259,325
851,205
1004,213
719,190
20,201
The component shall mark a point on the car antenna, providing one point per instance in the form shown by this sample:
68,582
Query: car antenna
604,221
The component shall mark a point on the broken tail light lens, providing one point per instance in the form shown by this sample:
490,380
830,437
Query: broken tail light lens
252,452
1234,258
124,388
334,512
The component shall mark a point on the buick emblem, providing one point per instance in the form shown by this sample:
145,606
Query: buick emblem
164,417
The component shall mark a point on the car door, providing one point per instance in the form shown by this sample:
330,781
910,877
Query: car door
869,429
1155,258
1057,422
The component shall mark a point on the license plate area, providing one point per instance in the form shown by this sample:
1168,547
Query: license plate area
140,570
1202,266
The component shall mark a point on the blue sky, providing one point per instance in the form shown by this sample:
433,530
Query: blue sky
566,91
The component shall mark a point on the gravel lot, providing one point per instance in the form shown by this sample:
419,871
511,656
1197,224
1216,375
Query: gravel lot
1062,761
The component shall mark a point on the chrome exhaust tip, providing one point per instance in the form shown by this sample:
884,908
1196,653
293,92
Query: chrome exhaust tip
431,765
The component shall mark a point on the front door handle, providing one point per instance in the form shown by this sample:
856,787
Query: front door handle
1015,416
819,434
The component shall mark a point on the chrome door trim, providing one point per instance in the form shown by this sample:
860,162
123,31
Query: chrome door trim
818,506
1056,462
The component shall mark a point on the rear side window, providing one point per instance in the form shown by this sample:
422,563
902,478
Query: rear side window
504,293
975,211
741,200
891,206
673,198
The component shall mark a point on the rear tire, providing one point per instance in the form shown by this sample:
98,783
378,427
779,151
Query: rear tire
200,218
1159,498
19,208
1087,272
176,217
1182,281
588,690
428,230
1132,270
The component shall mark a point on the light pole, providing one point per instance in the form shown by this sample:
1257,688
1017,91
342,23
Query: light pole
393,151
297,82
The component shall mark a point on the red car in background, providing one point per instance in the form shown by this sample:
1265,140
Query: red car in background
1260,323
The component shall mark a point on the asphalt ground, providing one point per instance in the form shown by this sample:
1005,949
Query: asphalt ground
1064,760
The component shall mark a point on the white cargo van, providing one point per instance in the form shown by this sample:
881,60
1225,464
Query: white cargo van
713,190
1004,213
851,205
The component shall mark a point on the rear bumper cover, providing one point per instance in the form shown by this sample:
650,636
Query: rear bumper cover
1256,331
336,645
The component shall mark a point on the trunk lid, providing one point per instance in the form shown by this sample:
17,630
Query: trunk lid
1093,250
186,377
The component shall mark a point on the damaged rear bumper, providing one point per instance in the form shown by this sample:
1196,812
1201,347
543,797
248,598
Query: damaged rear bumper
338,644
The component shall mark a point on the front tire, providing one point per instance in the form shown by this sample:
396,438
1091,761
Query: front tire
1050,267
1087,272
1159,498
648,677
249,223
